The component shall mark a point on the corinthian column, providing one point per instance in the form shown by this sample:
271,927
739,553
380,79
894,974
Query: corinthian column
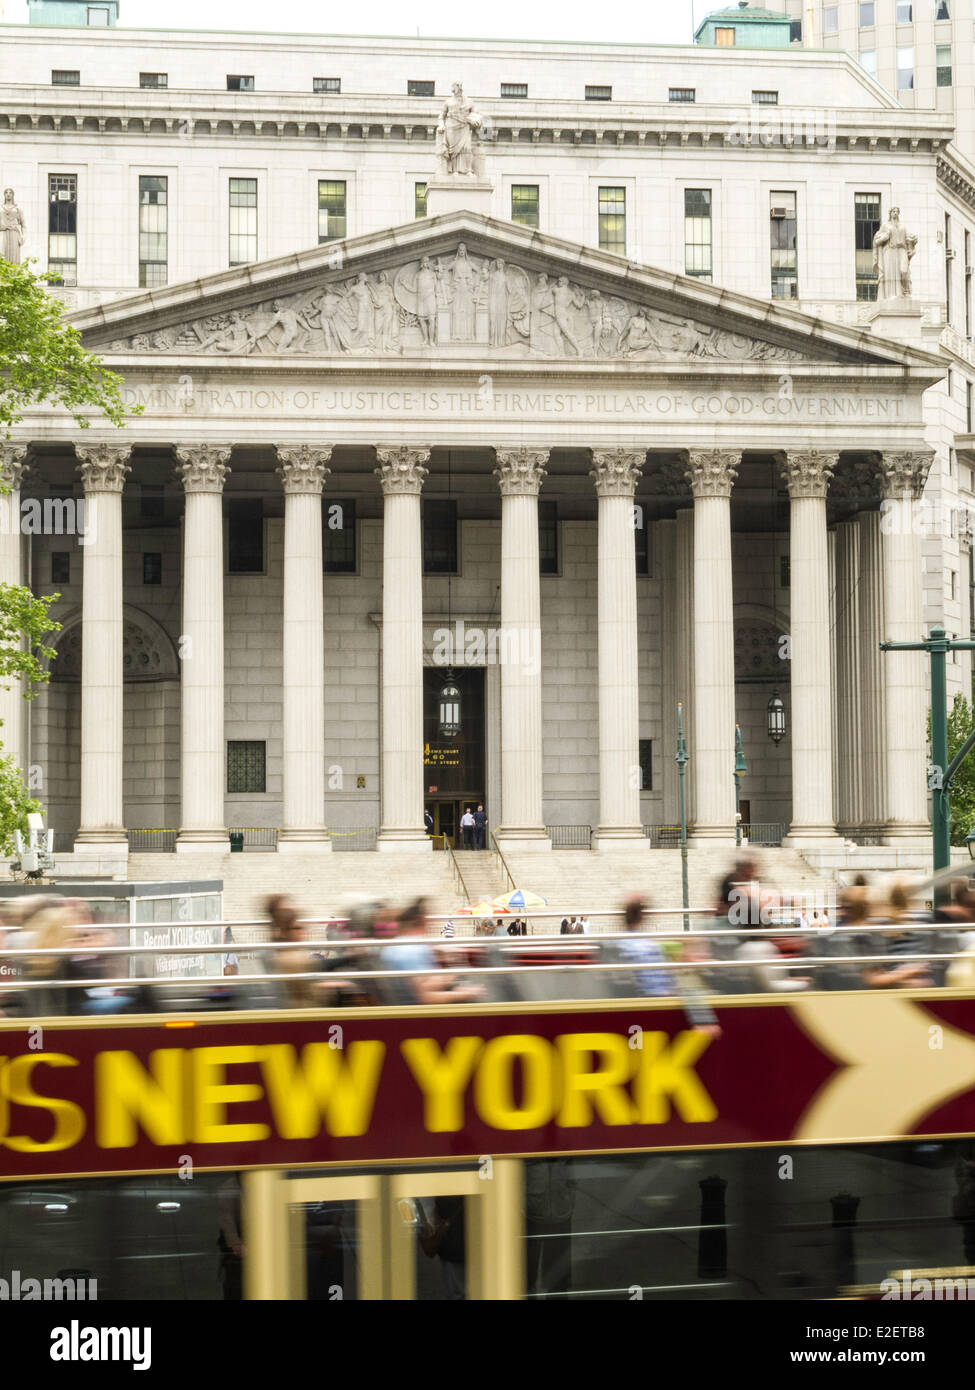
401,473
849,646
807,473
519,474
303,470
12,702
711,474
904,476
872,698
103,468
202,469
615,473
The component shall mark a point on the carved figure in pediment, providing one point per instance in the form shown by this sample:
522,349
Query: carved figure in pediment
638,336
335,321
363,310
233,335
544,335
566,300
497,302
462,276
386,317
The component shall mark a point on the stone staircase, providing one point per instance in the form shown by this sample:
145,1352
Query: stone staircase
482,874
585,881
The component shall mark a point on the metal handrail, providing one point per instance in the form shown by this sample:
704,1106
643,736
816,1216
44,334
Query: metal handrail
465,895
504,863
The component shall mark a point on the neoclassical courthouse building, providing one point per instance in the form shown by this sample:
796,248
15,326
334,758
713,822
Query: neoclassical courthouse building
607,413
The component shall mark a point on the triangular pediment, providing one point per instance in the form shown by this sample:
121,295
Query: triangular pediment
468,287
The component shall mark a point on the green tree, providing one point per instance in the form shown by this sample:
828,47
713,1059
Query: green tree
42,357
25,625
961,721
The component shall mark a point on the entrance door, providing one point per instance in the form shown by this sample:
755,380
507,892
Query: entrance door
445,819
411,1234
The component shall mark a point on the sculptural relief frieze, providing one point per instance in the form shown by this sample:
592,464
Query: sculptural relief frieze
454,300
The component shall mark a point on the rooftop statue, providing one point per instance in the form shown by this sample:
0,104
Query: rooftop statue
893,247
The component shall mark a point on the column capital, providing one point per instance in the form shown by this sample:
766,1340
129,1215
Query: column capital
402,469
808,471
520,471
616,472
12,465
905,471
103,467
202,467
712,472
303,468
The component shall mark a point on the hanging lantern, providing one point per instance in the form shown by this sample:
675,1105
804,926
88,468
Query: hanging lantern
775,713
449,708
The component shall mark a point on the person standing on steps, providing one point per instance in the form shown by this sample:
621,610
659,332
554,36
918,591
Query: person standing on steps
467,826
480,828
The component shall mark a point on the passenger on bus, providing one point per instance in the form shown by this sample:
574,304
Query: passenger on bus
896,942
642,949
412,951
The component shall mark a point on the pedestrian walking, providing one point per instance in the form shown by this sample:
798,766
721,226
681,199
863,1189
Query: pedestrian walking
480,828
467,826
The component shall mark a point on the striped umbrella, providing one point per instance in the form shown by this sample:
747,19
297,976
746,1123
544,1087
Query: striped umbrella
518,901
484,909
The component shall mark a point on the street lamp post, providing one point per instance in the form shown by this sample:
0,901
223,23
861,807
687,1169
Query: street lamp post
937,644
740,769
681,760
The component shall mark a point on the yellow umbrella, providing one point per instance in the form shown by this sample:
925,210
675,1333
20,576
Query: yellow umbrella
518,901
484,909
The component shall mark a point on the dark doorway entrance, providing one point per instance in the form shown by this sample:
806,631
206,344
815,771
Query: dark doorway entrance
453,768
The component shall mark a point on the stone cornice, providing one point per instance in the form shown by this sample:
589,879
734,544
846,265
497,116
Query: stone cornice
402,469
202,467
103,467
616,472
303,468
807,472
905,471
520,471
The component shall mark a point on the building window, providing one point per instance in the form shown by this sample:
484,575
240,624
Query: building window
339,533
765,98
237,83
646,764
439,537
831,19
151,567
246,767
969,403
905,69
785,572
942,9
152,503
599,94
612,220
326,84
548,538
514,89
524,204
331,210
868,61
62,228
65,77
867,15
153,230
153,79
968,284
245,548
942,63
949,257
420,89
682,94
60,566
243,221
697,233
98,16
641,534
724,38
419,200
905,12
785,261
866,223
953,584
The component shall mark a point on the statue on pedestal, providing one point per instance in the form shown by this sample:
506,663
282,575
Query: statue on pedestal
893,247
456,133
11,228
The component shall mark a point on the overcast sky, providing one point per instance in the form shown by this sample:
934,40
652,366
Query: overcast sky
627,21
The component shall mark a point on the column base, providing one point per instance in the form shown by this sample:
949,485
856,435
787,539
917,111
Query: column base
802,837
203,842
318,841
718,835
620,837
95,841
906,836
528,839
403,841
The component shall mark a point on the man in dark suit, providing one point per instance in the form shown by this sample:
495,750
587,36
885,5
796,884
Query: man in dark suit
480,828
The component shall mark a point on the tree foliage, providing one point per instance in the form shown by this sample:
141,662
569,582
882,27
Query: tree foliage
42,358
961,721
